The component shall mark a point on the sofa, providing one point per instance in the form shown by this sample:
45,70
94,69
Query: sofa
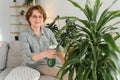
11,57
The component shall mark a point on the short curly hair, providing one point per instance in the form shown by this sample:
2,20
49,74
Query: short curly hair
35,7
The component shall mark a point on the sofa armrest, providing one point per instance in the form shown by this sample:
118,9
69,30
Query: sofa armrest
3,55
0,71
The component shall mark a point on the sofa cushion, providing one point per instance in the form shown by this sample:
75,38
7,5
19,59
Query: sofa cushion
3,55
45,77
23,73
14,54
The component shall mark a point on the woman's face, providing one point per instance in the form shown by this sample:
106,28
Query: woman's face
36,19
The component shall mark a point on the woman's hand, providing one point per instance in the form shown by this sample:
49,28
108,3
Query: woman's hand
50,53
45,54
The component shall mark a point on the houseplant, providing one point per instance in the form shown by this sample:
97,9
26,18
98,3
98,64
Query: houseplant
68,30
93,56
28,1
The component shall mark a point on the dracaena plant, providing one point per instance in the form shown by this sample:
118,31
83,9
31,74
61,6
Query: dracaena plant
94,53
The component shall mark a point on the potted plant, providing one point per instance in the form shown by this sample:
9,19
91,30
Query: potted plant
94,53
27,2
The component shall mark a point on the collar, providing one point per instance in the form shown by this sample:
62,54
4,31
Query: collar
33,34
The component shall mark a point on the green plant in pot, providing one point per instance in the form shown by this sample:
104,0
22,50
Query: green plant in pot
94,53
28,1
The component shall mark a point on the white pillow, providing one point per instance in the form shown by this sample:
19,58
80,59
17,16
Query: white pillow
23,73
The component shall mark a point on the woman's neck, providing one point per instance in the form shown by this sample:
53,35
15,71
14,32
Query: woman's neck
36,30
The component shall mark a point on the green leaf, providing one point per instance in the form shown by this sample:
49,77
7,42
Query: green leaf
87,31
66,49
112,65
108,38
60,74
76,4
102,17
71,73
106,16
96,8
110,15
84,46
117,36
86,74
80,72
114,14
84,22
88,10
67,63
108,51
93,67
106,76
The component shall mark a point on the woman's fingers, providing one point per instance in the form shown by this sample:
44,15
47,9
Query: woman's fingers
51,53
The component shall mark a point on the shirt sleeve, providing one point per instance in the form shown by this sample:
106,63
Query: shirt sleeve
25,48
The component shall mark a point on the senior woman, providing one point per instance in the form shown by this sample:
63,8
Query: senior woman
35,42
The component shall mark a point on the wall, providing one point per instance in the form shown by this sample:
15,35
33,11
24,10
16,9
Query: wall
4,20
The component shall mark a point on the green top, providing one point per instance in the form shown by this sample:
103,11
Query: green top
30,44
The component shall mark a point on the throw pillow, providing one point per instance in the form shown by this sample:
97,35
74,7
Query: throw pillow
23,73
3,55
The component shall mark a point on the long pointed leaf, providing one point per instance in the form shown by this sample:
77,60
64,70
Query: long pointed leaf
70,62
106,76
111,42
88,10
104,17
86,74
79,7
96,8
117,36
108,51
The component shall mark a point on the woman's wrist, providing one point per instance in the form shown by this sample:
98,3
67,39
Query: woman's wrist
44,54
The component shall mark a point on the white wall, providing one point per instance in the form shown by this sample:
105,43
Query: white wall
4,20
64,7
